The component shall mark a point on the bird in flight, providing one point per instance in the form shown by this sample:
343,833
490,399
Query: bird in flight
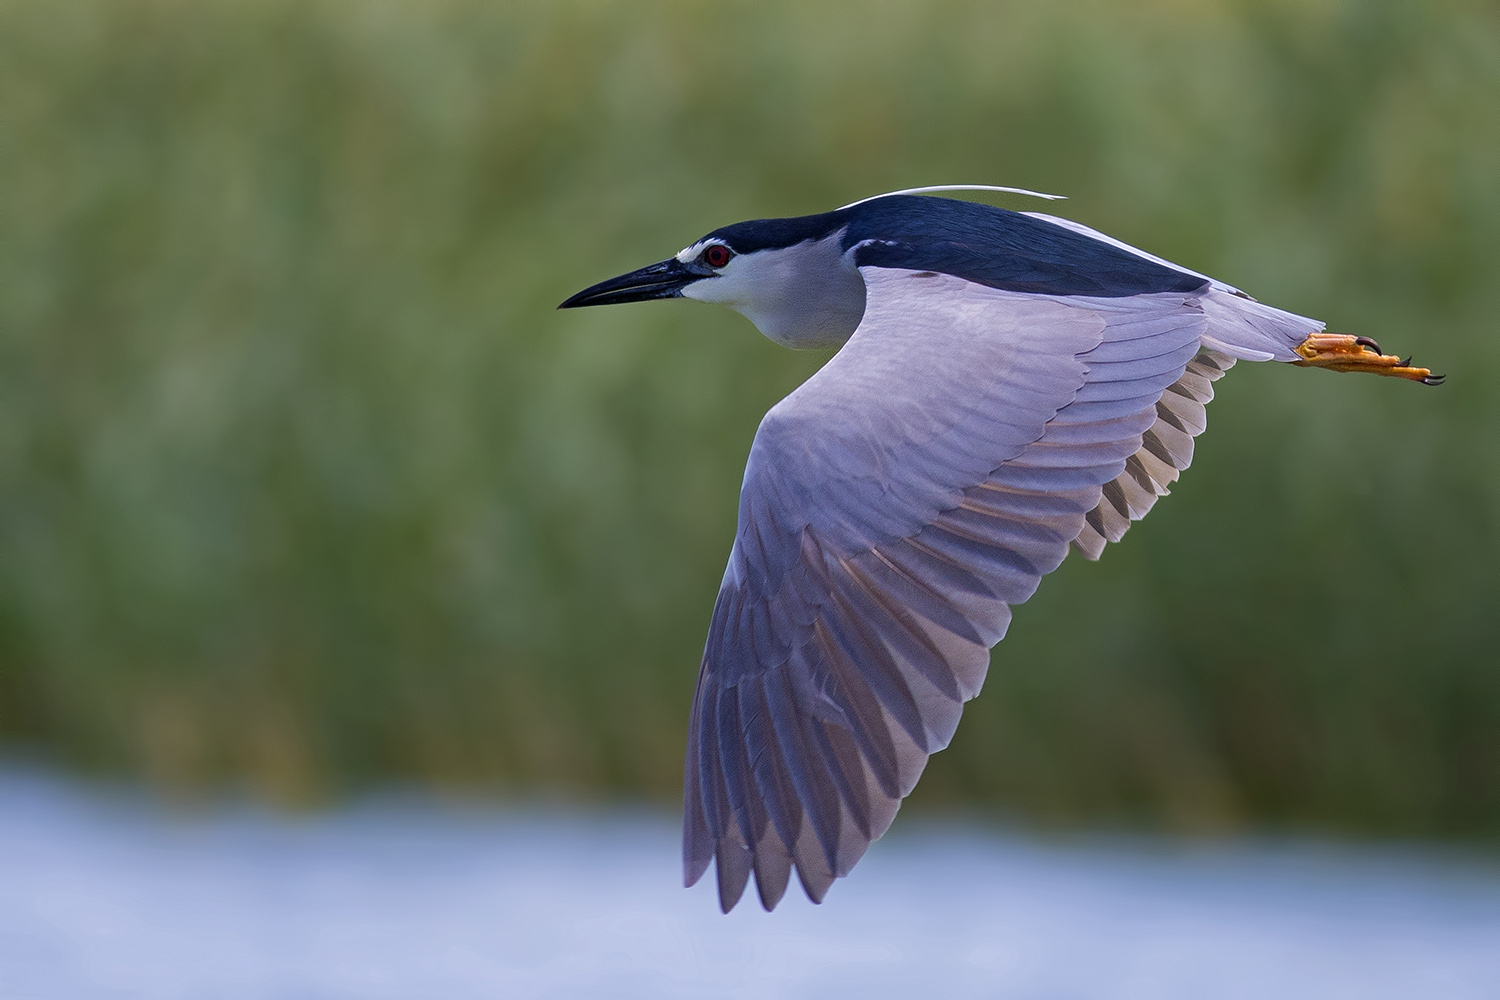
1007,385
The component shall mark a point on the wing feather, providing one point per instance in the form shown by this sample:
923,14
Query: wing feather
895,507
1166,450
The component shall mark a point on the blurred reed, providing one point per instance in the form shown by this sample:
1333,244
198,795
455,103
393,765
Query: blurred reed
303,483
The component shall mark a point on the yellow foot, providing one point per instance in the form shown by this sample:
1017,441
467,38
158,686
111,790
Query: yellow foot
1341,352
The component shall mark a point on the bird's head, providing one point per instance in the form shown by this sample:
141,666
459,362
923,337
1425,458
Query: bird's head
793,278
798,279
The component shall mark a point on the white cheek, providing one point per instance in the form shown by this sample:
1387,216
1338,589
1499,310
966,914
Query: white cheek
729,287
801,296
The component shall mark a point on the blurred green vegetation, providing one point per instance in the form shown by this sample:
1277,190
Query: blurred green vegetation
304,483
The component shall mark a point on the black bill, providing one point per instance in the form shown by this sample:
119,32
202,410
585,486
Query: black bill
659,281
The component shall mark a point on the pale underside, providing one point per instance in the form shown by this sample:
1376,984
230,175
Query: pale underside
894,507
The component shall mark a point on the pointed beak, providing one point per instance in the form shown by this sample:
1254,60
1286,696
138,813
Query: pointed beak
659,281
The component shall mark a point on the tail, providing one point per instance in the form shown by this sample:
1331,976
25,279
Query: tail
1249,330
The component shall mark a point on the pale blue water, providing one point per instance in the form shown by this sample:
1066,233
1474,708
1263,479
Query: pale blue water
111,896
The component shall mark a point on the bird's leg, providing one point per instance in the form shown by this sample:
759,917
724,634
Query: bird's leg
1342,352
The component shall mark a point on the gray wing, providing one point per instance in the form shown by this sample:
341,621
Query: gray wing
894,507
1166,450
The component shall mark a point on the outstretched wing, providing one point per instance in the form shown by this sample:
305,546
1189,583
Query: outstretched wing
894,507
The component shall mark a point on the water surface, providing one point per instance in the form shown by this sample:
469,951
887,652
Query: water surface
111,895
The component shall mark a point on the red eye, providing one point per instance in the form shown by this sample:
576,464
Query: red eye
717,255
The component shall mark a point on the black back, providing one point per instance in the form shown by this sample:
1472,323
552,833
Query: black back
980,243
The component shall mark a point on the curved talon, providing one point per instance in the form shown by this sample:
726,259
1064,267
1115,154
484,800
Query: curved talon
1342,352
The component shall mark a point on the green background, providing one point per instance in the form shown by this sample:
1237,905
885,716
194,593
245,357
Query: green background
305,485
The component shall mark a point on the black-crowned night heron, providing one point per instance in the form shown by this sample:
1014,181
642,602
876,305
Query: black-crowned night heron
1007,385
